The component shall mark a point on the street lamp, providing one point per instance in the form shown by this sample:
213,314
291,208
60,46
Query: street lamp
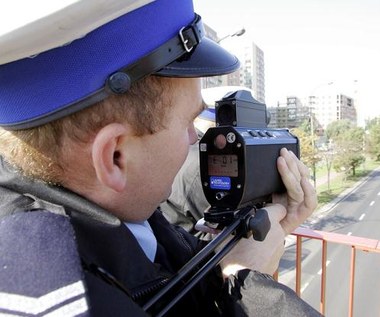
237,33
209,80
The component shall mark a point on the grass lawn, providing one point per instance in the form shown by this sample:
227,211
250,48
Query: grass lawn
342,181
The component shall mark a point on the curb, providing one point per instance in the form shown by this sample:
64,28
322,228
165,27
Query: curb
327,207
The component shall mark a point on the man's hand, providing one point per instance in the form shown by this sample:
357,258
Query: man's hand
263,256
300,200
286,213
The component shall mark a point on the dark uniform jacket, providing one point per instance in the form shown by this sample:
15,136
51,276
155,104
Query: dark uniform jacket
63,255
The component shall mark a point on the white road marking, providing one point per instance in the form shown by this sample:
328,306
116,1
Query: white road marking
327,264
304,286
372,203
362,217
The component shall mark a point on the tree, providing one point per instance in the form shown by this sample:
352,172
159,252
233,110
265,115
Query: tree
337,128
327,153
373,138
309,154
305,146
305,126
347,143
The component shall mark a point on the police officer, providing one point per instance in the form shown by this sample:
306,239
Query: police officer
97,103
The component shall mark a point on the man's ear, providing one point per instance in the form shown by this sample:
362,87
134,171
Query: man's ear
107,156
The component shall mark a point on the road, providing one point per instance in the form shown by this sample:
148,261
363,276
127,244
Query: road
357,214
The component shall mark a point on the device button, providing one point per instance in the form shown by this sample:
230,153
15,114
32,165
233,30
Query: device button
261,133
253,133
270,134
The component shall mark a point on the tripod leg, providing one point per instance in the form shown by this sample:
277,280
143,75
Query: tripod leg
195,261
200,274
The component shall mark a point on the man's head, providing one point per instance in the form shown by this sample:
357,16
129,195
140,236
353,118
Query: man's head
43,151
108,112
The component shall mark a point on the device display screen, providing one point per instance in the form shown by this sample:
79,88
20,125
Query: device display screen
223,165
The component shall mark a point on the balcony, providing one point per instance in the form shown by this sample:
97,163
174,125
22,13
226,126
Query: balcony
332,261
355,244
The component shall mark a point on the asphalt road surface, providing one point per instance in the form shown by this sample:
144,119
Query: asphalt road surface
356,214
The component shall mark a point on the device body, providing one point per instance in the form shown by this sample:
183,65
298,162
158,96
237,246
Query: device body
239,165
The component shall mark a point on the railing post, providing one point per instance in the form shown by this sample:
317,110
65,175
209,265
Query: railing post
298,265
352,282
355,242
323,278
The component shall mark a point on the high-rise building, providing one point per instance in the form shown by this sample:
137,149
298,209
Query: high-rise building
332,107
252,74
324,109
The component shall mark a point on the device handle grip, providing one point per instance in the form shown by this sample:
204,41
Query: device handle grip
259,224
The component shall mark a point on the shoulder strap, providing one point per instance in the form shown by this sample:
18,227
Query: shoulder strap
12,202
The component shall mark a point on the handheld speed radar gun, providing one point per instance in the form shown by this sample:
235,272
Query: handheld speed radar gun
238,158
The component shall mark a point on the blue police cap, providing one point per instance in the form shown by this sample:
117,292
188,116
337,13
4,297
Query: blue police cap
163,37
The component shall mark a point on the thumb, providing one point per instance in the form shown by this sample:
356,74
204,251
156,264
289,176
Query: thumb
276,212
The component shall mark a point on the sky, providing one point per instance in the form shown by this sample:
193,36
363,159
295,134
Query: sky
309,45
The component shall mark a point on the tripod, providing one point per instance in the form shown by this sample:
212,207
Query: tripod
242,223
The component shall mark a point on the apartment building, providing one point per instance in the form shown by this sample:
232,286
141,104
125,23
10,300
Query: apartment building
332,107
289,113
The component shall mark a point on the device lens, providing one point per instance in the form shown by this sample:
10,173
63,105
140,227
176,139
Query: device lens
220,141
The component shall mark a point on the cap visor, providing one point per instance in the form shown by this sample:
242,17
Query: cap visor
207,59
208,114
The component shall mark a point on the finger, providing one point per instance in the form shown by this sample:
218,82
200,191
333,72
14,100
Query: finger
302,168
310,196
292,162
288,170
287,176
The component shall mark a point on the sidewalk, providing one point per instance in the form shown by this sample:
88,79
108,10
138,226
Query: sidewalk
323,179
323,210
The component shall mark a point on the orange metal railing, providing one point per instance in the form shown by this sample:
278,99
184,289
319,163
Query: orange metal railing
356,243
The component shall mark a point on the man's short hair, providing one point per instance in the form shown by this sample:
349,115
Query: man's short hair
39,151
